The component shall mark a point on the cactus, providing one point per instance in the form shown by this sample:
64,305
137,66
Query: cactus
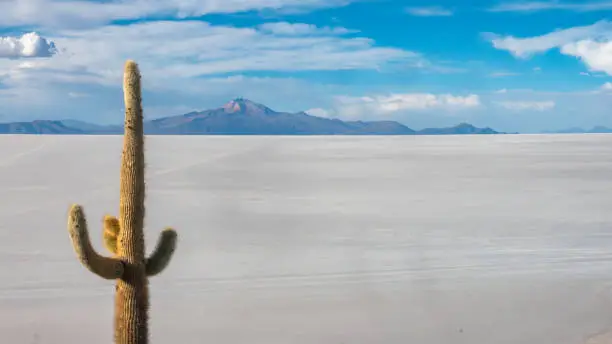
124,236
110,233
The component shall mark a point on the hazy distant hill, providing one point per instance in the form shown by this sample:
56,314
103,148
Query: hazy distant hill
241,117
462,128
576,130
38,127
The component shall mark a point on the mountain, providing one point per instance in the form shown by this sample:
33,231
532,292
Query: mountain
577,130
460,129
244,117
241,117
600,130
90,127
573,130
38,127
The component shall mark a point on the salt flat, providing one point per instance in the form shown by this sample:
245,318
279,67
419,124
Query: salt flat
463,239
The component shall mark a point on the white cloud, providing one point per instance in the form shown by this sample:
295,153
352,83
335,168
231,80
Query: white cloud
591,44
318,112
300,29
432,11
607,86
501,74
597,56
412,101
77,95
351,107
27,45
534,6
527,105
82,13
525,47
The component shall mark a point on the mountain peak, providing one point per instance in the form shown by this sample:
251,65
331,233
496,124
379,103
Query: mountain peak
243,105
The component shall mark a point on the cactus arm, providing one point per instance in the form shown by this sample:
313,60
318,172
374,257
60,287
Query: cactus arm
110,234
159,259
107,268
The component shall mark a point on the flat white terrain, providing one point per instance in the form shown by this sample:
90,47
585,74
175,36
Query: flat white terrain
322,240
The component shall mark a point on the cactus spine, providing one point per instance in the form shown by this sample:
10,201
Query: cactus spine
124,237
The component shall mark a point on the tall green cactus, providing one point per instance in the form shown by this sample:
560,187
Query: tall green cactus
124,237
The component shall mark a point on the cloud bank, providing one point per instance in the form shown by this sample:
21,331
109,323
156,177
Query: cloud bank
175,50
385,106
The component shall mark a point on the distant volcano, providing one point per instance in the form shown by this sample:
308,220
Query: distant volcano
245,106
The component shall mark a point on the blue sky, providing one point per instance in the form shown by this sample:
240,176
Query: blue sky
515,66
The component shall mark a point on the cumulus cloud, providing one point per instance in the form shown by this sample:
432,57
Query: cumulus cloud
431,11
301,29
527,105
26,46
84,13
534,6
597,56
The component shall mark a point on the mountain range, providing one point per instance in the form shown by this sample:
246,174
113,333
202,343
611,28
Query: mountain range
240,117
576,130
